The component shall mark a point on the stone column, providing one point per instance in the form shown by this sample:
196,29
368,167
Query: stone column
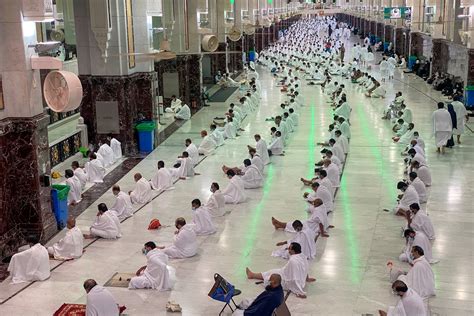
25,199
470,69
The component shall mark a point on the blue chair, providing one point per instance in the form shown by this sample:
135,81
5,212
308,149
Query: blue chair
223,291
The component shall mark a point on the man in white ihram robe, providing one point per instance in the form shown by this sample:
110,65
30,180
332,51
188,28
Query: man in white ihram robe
94,169
409,303
106,224
192,151
162,179
75,187
261,149
234,192
186,166
202,219
184,113
419,221
419,239
252,177
30,265
107,155
142,193
123,204
185,243
304,237
155,275
442,126
71,245
79,173
117,148
207,145
99,300
216,202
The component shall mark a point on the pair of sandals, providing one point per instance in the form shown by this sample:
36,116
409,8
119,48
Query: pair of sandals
171,306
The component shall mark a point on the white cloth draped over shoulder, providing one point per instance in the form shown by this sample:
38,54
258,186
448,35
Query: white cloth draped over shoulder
30,265
193,152
122,206
142,193
107,155
95,171
186,168
106,226
262,151
216,204
293,274
70,246
442,127
420,278
207,145
410,304
202,221
75,190
162,180
234,192
184,245
422,223
117,148
184,113
305,238
100,302
252,177
81,175
156,275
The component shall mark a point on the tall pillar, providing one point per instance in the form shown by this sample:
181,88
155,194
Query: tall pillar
25,198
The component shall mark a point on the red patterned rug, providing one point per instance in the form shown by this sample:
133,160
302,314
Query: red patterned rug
71,310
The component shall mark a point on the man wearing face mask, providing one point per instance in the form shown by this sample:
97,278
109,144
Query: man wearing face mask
155,274
202,219
185,243
216,203
419,239
266,302
123,204
408,197
409,304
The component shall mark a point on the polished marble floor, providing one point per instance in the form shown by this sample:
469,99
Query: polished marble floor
350,266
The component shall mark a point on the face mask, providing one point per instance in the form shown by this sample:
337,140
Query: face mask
144,251
411,257
194,208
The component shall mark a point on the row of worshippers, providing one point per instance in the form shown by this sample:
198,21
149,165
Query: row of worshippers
93,171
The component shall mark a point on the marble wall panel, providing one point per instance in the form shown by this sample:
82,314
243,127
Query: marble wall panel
470,69
440,56
218,61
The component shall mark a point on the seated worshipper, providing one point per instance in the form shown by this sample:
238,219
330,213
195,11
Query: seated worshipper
106,225
75,188
416,156
207,145
142,193
406,137
400,127
294,274
261,149
409,303
31,264
422,171
319,191
184,244
155,274
304,237
107,154
328,154
184,113
266,303
419,221
276,146
192,150
100,301
71,245
202,219
344,127
94,169
216,202
163,178
116,147
175,106
256,160
123,204
419,187
378,92
185,166
333,172
216,135
251,176
416,238
317,222
79,173
407,198
234,192
420,277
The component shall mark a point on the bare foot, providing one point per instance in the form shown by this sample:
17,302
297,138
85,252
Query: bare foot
324,235
249,273
301,295
331,226
308,279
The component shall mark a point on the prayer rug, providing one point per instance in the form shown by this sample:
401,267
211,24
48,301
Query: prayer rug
119,280
71,310
223,94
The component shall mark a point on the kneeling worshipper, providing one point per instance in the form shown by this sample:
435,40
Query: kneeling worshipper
276,146
31,264
234,192
94,169
100,301
123,204
142,193
333,172
406,199
304,237
107,154
422,172
217,135
266,303
185,243
252,177
420,277
207,145
419,187
416,239
155,275
74,195
184,113
294,274
106,225
256,160
79,173
202,219
419,221
116,147
216,202
317,222
175,105
192,150
409,303
185,166
71,246
163,178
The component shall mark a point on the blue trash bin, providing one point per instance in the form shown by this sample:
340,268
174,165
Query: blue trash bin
252,56
59,195
469,96
146,136
411,61
385,46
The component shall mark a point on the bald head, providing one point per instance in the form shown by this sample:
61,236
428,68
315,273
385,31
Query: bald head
71,222
137,176
275,280
318,202
89,285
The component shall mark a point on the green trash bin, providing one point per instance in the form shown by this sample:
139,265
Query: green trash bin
146,136
59,195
